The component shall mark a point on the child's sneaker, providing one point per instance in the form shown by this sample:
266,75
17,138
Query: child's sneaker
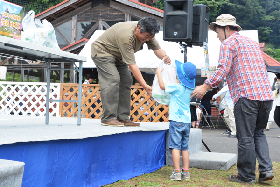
176,176
186,175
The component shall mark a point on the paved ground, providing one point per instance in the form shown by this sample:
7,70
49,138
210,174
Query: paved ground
222,144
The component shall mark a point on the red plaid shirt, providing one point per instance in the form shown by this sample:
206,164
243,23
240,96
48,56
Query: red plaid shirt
242,64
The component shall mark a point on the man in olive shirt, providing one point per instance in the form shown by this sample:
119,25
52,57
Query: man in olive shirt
113,53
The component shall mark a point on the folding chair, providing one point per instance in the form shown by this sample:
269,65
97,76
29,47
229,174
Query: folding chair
220,115
211,124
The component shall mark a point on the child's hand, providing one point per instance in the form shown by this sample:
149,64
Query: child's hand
158,71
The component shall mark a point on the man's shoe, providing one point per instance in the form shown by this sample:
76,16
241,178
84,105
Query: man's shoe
227,132
129,123
266,176
232,136
113,123
176,176
186,175
238,178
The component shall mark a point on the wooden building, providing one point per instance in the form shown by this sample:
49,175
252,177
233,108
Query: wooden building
75,20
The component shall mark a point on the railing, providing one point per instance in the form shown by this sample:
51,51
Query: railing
29,98
143,108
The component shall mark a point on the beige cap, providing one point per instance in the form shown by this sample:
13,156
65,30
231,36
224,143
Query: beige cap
224,20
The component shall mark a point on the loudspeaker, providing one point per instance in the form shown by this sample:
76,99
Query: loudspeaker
201,15
177,20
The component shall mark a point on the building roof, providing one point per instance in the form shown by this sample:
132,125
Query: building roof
76,47
51,8
70,5
142,4
269,60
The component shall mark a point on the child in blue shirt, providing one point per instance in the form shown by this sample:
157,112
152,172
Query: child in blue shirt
179,116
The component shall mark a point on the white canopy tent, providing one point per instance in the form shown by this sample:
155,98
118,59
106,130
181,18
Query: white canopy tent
146,60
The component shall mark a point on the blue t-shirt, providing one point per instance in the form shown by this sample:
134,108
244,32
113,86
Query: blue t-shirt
179,105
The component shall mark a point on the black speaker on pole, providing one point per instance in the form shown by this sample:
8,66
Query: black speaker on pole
177,20
201,15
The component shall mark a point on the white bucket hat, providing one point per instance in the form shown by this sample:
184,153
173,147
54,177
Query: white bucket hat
224,20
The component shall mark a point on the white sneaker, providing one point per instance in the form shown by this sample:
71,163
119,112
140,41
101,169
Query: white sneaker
186,175
176,176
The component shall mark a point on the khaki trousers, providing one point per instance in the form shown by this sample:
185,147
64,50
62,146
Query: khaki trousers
230,119
115,82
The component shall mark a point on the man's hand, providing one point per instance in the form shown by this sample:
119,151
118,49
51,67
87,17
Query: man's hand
200,91
161,54
148,90
167,60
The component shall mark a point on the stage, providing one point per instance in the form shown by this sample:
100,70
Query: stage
65,154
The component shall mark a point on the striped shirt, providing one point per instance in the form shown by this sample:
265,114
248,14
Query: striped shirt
242,64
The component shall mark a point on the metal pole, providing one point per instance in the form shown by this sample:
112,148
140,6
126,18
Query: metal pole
206,146
185,53
48,91
74,76
80,92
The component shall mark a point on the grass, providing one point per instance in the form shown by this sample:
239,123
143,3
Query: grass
199,177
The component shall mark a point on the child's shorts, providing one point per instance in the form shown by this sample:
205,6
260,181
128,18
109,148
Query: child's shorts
179,135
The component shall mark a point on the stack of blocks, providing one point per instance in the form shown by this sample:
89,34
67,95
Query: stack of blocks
11,173
200,159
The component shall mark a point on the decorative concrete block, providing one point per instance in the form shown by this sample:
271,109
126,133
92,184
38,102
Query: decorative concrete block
213,160
200,159
11,173
195,144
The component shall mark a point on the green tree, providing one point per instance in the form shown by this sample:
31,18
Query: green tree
269,51
215,6
277,54
36,5
9,77
159,4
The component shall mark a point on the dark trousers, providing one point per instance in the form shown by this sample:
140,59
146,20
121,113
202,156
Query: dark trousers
277,115
251,118
193,113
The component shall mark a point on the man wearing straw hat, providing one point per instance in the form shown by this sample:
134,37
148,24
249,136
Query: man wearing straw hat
242,64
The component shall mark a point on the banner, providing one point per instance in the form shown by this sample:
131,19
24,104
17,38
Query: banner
10,20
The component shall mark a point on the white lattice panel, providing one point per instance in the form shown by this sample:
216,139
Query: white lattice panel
28,98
